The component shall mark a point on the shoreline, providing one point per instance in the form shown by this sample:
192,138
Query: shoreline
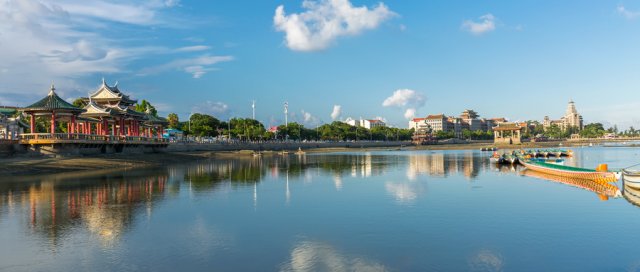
33,166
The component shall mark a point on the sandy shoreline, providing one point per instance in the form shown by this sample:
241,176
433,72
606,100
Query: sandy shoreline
22,165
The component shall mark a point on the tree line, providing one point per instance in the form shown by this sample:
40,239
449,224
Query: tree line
204,125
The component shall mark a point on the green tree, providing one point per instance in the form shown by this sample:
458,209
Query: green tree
246,129
143,105
203,125
593,130
173,119
79,102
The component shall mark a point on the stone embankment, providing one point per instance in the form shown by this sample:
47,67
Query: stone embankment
277,146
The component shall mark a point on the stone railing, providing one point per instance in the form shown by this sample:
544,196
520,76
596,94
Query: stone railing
35,138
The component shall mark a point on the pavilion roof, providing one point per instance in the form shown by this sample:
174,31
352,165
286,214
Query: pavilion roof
111,93
94,110
151,119
124,110
52,102
8,110
507,126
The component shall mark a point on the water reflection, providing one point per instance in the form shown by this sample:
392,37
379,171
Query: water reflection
443,164
317,256
105,205
632,195
603,189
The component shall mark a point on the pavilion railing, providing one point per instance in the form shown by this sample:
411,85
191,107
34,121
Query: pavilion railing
79,137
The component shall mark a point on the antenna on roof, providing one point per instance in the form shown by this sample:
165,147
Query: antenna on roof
53,88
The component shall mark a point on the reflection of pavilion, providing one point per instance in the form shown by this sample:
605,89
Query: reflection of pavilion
106,209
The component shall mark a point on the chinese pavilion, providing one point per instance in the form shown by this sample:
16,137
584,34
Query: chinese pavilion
109,117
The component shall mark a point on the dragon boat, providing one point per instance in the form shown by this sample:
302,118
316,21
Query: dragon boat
599,174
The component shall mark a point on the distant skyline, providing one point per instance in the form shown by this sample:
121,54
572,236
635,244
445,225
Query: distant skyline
331,59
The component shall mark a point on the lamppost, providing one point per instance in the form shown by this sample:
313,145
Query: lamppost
229,130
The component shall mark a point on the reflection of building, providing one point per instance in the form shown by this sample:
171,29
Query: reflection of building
444,164
571,119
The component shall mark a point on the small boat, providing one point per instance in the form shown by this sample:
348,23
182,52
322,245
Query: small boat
572,172
512,159
284,153
631,178
257,154
498,159
300,152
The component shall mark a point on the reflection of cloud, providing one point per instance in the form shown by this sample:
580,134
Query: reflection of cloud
486,260
337,180
403,192
204,238
315,256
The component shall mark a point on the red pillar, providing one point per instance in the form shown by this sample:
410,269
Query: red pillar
53,122
121,126
33,123
160,131
74,125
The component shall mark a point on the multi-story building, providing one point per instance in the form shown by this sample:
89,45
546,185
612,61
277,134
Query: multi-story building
368,124
571,119
467,120
437,122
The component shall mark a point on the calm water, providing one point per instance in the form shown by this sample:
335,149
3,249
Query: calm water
374,211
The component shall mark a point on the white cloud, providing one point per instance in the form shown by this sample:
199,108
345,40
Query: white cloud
410,113
335,113
308,119
217,109
326,20
628,13
82,50
486,24
197,66
194,48
404,97
67,40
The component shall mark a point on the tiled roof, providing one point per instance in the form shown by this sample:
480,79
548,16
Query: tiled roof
52,102
151,119
437,116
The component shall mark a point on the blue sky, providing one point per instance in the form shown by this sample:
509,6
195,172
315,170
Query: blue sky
391,59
